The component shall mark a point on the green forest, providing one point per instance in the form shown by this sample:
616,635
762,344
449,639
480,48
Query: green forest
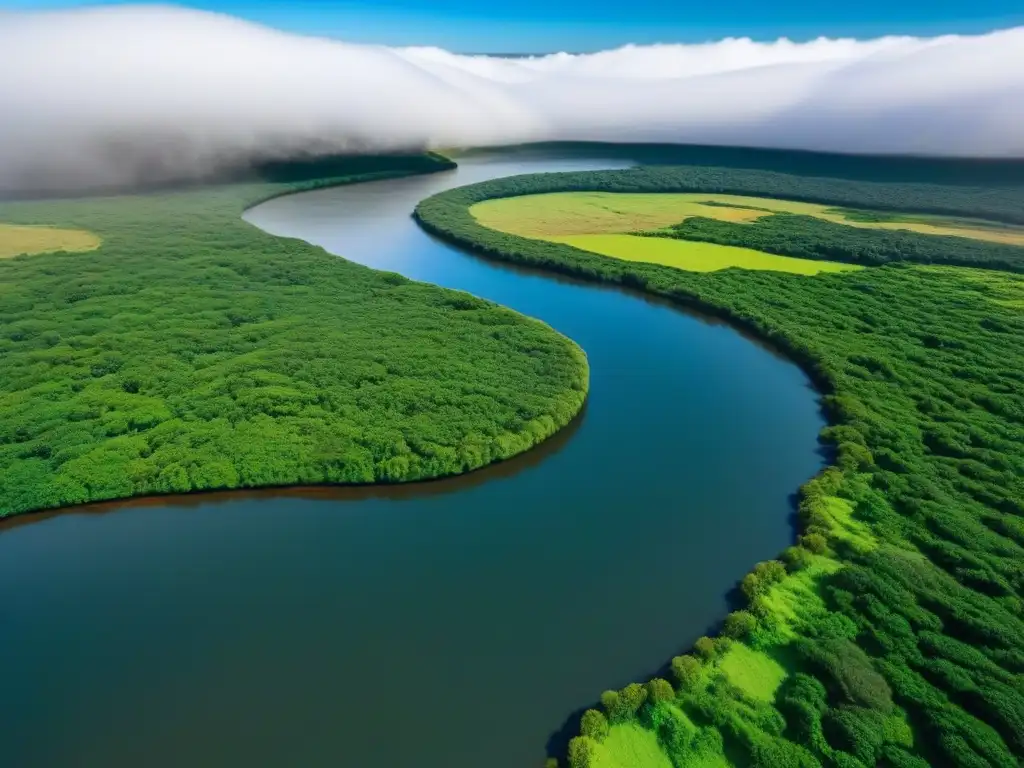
192,351
892,633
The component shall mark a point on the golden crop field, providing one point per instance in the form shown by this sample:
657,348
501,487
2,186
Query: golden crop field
586,213
16,240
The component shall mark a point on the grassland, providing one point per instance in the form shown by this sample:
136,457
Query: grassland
891,635
629,745
589,213
584,213
21,240
191,351
982,210
696,256
603,222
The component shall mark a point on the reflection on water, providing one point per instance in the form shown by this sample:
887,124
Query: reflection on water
338,493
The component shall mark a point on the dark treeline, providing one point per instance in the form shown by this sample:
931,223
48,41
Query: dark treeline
929,170
314,168
334,166
192,351
812,238
916,657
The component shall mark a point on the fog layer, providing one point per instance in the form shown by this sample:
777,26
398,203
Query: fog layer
128,94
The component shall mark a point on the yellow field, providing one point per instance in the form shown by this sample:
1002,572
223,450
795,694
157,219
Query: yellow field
18,240
590,213
587,213
694,256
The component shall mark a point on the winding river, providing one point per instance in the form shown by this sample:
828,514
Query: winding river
456,623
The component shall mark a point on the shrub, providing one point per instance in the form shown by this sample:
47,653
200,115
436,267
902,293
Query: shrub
850,671
631,698
705,648
814,542
762,578
739,624
594,725
659,690
581,752
610,702
686,670
856,730
803,701
796,559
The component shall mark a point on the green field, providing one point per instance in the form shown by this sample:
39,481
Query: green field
19,240
586,213
695,257
807,217
191,351
598,222
891,635
558,214
603,222
755,674
629,746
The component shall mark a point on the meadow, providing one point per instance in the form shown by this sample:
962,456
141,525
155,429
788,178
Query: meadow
696,256
190,351
891,633
653,227
18,240
560,214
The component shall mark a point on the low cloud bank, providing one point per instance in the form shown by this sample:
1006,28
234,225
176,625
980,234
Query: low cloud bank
123,95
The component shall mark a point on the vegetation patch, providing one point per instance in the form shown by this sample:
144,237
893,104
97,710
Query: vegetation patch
694,256
703,232
793,232
18,240
588,213
192,351
628,745
558,214
898,617
753,673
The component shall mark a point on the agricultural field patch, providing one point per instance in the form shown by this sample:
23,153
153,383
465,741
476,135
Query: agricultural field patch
559,214
695,256
17,240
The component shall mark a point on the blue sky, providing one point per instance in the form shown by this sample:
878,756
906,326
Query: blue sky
585,25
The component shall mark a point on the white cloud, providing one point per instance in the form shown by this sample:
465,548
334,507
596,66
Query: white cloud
113,95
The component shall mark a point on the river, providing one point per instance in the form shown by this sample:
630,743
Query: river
456,623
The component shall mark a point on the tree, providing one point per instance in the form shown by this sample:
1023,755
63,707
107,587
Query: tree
706,648
739,624
594,725
659,690
581,752
814,542
686,670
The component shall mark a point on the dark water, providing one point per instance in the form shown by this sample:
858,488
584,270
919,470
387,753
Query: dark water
452,624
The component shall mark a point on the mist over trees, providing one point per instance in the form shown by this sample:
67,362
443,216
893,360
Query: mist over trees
106,96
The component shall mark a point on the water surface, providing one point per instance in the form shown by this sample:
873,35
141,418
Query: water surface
455,623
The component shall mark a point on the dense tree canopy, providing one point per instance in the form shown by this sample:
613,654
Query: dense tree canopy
192,351
893,633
